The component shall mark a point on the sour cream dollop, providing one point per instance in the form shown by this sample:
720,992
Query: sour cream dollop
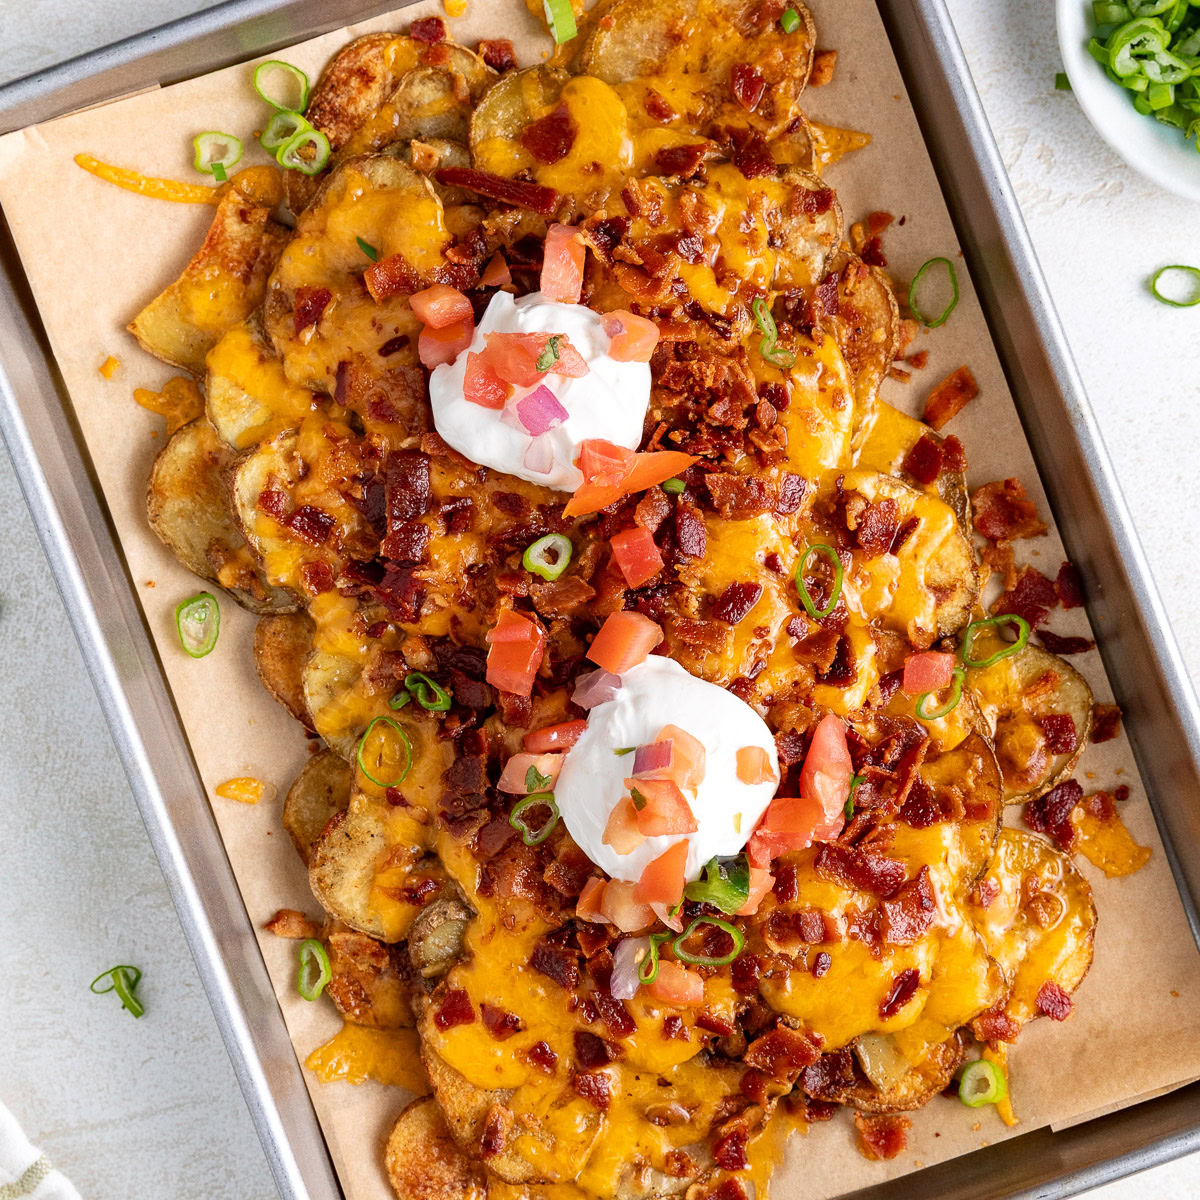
660,692
609,402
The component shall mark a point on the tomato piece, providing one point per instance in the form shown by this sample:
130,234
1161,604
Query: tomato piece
440,305
754,766
929,671
625,640
514,357
600,489
554,737
637,555
687,756
604,462
438,346
621,832
481,384
761,882
827,771
515,653
496,273
631,338
665,809
562,265
622,910
791,823
662,880
677,985
588,906
516,770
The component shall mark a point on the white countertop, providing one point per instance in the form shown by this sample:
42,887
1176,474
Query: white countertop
151,1107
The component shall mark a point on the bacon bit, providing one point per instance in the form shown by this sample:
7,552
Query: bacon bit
728,1189
1106,722
317,577
615,1015
691,534
883,1136
497,53
747,84
455,1009
542,200
821,964
1065,645
811,202
595,1087
1053,1001
429,30
787,884
950,397
1032,596
591,1051
310,303
556,963
288,923
751,154
783,1053
391,276
499,1120
1061,734
1069,586
736,601
674,1029
499,1023
1002,511
908,917
729,1150
542,1057
900,993
872,254
924,461
823,64
995,1025
854,867
1051,814
876,527
310,524
656,106
551,137
681,161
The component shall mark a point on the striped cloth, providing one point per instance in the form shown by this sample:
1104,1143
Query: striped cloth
25,1172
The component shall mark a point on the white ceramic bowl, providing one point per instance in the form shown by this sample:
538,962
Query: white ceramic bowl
1159,152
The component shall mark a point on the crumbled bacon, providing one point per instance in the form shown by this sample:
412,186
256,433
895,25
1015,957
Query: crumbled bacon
561,597
783,1053
751,155
821,964
950,397
995,1025
877,526
1061,735
829,1076
498,1022
542,200
288,923
391,276
1053,1001
900,993
683,161
595,1087
310,303
735,602
656,106
729,1150
907,917
496,1126
1002,511
883,1136
557,963
592,1051
1065,645
1051,814
747,84
428,30
542,1057
1069,586
691,536
551,137
615,1015
1106,722
310,524
1032,596
954,456
810,202
924,461
728,1189
316,577
823,64
497,53
455,1009
854,867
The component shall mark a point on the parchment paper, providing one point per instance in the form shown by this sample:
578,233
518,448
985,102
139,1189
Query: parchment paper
95,255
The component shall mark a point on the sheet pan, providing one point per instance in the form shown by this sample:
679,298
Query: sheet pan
1135,641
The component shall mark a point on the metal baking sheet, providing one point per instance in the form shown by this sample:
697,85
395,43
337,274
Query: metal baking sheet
1138,649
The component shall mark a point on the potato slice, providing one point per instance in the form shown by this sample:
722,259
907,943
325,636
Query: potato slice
806,240
343,864
1039,922
1014,696
329,692
372,983
321,790
282,644
435,941
424,1162
915,1087
222,285
187,506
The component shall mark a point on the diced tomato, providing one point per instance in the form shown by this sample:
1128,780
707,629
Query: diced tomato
929,671
637,555
754,766
827,771
662,880
588,906
687,756
554,737
790,823
677,985
622,832
514,357
481,384
631,338
439,306
665,809
604,462
438,346
516,650
496,273
622,910
761,882
562,264
625,640
516,771
603,487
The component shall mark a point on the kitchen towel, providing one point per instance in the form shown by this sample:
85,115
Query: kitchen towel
25,1172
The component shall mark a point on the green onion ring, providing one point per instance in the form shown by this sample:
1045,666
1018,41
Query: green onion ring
790,21
944,315
549,556
704,960
673,486
262,84
426,693
123,985
956,688
770,331
198,623
399,700
313,954
1017,646
982,1082
358,754
534,837
805,596
289,154
647,971
560,18
281,128
214,150
1194,272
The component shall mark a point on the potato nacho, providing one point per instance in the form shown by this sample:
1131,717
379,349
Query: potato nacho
667,733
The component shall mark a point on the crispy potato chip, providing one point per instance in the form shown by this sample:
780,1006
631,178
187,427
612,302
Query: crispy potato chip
423,1161
343,863
282,643
916,1087
321,790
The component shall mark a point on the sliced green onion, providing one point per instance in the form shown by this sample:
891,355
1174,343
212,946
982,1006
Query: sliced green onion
621,751
1133,42
280,130
1148,8
549,556
362,742
215,149
768,347
399,700
123,980
673,486
219,173
368,249
535,781
849,809
806,599
560,17
726,885
944,315
291,154
282,86
426,693
982,1083
1106,13
1061,82
313,957
648,967
951,704
198,621
534,837
549,355
1006,619
707,960
1099,51
790,21
1192,278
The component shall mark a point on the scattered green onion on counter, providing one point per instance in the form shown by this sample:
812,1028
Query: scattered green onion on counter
123,980
932,322
291,155
982,1082
281,128
1189,281
216,152
560,17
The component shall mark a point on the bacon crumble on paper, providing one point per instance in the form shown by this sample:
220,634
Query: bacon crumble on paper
950,397
882,1137
1003,512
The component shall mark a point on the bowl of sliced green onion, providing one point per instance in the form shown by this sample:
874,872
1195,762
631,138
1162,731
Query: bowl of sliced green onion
1134,66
